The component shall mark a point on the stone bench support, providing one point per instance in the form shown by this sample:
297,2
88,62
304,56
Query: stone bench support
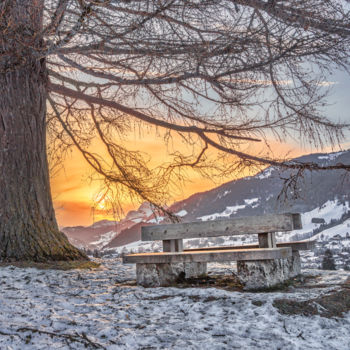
253,274
157,275
259,274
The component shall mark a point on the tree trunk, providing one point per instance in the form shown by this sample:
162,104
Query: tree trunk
28,228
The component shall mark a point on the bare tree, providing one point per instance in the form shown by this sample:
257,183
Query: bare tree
220,74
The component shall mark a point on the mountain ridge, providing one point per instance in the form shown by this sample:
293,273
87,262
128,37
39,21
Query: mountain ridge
252,195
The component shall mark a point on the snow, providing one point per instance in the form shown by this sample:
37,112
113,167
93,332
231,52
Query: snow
156,220
251,201
343,230
138,247
73,309
225,214
265,173
143,212
181,213
331,209
220,195
104,239
331,156
230,210
136,221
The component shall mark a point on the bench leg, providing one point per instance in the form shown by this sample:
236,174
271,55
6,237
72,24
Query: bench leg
295,264
268,273
156,275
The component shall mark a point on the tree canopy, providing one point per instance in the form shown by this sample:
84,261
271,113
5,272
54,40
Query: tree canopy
221,74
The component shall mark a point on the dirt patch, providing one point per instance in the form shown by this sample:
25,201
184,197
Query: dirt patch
258,302
160,297
330,305
226,282
54,265
231,283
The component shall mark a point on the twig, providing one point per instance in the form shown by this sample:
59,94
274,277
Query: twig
80,338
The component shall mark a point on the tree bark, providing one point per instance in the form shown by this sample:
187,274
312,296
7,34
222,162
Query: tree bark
28,228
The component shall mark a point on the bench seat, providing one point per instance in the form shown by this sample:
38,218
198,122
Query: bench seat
296,246
218,255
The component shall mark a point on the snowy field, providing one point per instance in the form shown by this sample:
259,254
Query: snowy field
42,309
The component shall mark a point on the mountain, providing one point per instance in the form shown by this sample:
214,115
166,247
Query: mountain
254,195
91,236
258,194
102,232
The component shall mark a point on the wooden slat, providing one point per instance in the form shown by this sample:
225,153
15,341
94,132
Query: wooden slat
213,255
227,227
296,246
267,240
173,245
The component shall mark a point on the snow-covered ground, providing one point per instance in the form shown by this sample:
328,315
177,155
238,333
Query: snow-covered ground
45,309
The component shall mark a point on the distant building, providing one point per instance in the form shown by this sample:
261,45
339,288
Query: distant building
336,237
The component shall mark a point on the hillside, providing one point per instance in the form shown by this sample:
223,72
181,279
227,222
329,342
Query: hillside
247,196
258,195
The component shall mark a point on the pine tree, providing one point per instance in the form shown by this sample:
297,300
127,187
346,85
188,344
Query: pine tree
328,262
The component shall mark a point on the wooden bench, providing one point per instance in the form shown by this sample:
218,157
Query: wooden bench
258,265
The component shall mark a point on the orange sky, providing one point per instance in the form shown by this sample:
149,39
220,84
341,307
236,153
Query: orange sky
74,193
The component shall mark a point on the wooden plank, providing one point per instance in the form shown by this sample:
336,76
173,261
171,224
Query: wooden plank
297,224
267,240
213,255
227,227
169,245
296,246
179,245
173,245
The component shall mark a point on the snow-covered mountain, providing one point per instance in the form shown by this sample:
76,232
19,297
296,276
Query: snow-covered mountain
328,225
102,232
322,196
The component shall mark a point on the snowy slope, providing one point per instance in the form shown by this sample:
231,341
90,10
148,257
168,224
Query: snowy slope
331,210
45,309
342,230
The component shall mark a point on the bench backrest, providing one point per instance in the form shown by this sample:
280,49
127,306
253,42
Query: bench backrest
227,227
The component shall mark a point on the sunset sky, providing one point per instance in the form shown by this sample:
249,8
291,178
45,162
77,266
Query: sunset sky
74,193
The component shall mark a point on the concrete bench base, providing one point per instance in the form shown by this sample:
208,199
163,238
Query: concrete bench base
268,273
253,274
157,275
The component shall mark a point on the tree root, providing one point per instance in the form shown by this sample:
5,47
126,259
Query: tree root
76,337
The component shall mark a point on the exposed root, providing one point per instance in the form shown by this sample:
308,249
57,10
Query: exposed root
76,337
54,265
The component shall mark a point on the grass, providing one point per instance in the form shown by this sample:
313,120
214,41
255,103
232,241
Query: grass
54,265
334,304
